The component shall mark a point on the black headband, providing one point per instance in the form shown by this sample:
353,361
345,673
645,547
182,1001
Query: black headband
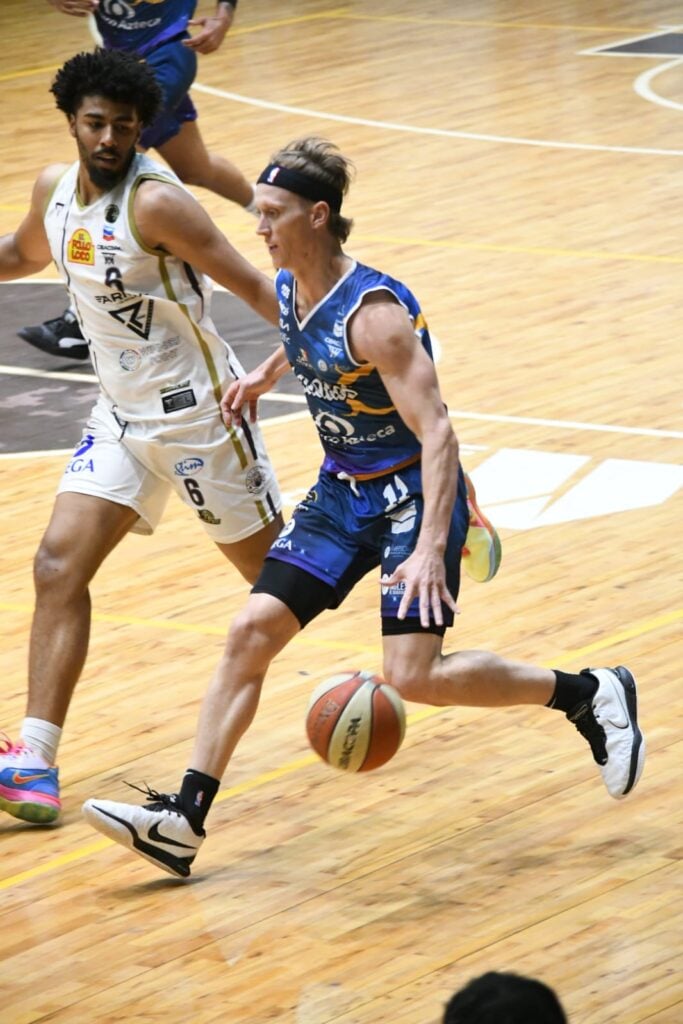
302,185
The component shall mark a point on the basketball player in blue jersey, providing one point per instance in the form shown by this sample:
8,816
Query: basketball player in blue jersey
390,495
157,30
138,254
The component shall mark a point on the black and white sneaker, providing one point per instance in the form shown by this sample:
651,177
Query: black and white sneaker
60,336
160,832
609,721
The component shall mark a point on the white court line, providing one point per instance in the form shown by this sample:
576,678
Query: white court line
441,132
25,371
485,417
606,428
90,378
456,414
643,83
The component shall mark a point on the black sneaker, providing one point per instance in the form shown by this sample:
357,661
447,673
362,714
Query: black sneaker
160,832
60,336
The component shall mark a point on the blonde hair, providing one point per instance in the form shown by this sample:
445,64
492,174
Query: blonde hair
319,158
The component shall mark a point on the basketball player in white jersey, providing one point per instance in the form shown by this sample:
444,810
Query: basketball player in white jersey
136,251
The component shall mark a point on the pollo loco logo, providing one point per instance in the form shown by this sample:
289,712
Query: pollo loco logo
80,248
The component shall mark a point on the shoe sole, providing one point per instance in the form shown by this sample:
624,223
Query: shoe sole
25,810
123,833
54,350
495,547
638,749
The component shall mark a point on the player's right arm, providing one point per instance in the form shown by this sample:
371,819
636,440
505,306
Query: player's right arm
26,250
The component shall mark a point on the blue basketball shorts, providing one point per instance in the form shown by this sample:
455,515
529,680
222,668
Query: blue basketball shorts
174,67
344,528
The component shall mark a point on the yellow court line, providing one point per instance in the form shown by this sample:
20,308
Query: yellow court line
343,13
176,626
336,12
523,250
81,852
529,250
247,30
462,23
28,72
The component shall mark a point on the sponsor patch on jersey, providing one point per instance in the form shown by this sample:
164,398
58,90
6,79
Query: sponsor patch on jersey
188,467
137,316
107,234
208,517
130,359
80,248
178,400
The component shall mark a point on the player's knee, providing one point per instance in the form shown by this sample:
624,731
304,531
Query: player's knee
406,677
56,572
251,640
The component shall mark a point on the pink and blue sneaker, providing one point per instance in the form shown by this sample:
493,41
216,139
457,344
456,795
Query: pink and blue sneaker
482,552
29,787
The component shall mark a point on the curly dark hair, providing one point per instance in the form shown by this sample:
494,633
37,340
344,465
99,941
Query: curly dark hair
119,77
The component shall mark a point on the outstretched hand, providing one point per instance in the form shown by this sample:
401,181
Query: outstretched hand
424,576
244,391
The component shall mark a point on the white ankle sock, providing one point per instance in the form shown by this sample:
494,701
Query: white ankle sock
42,737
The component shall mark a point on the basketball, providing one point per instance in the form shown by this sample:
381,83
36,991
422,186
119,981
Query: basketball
355,721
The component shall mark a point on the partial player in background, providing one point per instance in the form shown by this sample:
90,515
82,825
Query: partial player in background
157,30
390,494
499,997
139,255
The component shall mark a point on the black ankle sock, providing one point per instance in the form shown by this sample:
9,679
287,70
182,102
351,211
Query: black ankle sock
570,690
196,795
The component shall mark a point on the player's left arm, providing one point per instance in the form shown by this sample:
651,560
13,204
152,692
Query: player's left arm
170,219
214,28
381,333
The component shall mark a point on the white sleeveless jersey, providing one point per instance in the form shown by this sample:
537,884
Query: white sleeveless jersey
145,314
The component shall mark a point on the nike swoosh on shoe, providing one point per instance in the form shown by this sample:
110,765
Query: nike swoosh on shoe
155,836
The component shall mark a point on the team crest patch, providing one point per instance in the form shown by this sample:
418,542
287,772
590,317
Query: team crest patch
255,480
130,359
80,248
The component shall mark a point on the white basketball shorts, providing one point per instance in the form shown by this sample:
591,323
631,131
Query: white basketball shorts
224,476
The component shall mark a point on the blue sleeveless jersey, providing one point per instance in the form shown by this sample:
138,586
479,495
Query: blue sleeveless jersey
142,25
359,428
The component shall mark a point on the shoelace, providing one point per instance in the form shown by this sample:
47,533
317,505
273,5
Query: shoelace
7,747
158,801
587,724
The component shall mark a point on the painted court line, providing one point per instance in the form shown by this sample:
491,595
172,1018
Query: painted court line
456,414
290,767
447,133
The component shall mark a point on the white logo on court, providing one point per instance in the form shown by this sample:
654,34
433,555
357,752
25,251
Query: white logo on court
517,487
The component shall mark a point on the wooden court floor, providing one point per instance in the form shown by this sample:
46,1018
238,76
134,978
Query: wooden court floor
526,185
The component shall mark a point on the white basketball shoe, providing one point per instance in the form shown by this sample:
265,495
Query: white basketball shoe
160,832
609,721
